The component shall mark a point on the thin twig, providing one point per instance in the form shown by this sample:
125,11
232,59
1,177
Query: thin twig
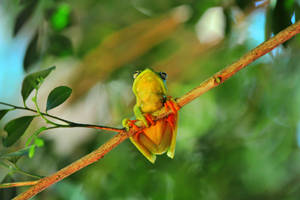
16,169
210,83
70,124
18,184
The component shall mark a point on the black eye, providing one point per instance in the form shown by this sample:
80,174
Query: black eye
163,75
136,73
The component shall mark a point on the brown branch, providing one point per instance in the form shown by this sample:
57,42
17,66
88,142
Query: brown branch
210,83
17,184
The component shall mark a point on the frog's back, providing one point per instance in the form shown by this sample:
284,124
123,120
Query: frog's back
150,92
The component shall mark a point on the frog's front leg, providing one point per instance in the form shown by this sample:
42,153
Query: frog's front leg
127,124
145,118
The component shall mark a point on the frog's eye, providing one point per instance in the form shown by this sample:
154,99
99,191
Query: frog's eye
136,73
163,75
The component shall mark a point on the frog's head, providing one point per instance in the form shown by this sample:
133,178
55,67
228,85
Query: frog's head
149,81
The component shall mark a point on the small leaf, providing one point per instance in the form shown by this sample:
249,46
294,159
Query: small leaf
28,8
35,134
39,142
31,151
2,113
15,129
61,17
32,81
60,45
57,96
33,52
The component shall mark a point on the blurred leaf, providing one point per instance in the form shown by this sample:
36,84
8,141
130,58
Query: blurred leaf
199,7
268,24
288,4
61,17
60,45
3,164
297,11
4,170
32,53
31,151
228,19
279,17
57,96
8,193
25,14
282,15
3,113
15,129
33,80
39,142
243,4
35,134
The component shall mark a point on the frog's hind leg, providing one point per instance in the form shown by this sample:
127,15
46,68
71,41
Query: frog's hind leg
172,120
150,156
171,104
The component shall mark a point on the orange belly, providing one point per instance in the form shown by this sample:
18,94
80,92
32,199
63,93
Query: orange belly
157,138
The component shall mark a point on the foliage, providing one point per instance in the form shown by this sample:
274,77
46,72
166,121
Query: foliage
238,141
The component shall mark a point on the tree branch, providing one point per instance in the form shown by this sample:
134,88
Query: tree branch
210,83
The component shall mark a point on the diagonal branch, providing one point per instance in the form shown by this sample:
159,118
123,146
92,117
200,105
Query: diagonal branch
210,83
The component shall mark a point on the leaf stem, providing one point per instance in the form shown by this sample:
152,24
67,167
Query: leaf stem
70,124
20,171
34,99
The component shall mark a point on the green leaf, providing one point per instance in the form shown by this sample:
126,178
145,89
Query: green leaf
2,113
33,52
33,81
15,129
39,142
57,96
35,134
60,45
244,4
61,17
31,151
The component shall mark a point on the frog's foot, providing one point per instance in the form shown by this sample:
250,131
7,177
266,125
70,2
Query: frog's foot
127,123
170,104
131,124
149,119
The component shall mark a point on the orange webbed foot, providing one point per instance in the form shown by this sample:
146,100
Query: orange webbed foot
131,124
138,130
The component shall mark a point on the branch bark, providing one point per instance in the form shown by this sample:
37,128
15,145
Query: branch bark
205,86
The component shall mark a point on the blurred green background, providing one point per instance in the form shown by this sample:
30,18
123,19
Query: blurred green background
238,141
